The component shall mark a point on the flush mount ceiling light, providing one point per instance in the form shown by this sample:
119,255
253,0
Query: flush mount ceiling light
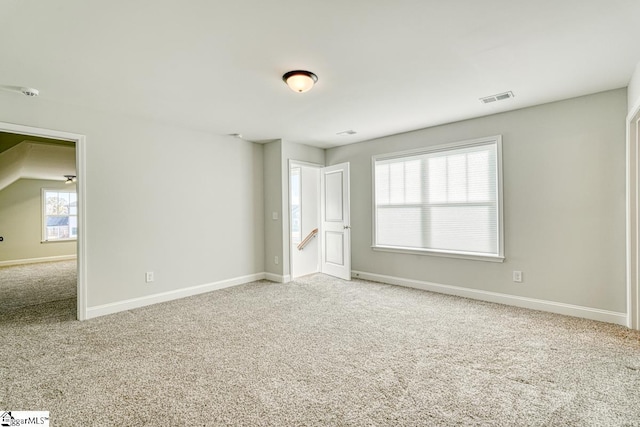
27,91
300,80
70,179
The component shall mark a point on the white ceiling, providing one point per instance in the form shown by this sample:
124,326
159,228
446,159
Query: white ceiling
384,66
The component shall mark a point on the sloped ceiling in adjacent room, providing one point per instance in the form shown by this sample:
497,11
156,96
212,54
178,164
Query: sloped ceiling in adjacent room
8,140
35,160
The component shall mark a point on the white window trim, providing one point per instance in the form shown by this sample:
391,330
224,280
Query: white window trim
497,139
43,210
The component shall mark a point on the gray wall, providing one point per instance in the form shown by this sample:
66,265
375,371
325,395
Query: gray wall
21,222
564,203
273,203
185,204
191,205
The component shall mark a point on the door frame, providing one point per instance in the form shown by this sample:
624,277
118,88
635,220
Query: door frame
81,187
290,164
633,219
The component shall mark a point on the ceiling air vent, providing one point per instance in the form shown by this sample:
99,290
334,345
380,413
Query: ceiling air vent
498,97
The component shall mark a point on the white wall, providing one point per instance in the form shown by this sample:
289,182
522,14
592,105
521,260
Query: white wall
633,91
564,203
185,204
21,222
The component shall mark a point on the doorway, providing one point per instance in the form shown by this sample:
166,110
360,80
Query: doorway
304,214
319,218
74,225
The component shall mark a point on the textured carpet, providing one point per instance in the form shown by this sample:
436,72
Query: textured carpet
319,351
32,284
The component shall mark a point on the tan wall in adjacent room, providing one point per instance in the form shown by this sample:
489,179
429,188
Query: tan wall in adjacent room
21,222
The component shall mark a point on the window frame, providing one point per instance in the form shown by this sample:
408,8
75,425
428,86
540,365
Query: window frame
43,210
489,140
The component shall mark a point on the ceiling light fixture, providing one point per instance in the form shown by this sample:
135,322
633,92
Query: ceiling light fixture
300,80
70,179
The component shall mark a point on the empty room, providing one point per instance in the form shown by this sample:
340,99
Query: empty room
320,213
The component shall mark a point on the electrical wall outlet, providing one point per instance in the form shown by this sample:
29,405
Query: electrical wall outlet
517,276
276,260
148,277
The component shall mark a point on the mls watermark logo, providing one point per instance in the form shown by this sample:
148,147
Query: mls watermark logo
24,418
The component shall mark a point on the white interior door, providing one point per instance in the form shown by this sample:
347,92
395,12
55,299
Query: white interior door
335,221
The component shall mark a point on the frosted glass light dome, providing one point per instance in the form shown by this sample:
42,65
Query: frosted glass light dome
300,80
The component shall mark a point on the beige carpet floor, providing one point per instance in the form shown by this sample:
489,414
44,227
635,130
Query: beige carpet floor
33,284
319,351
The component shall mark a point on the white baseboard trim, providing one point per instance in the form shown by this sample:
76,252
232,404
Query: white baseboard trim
37,260
277,277
130,304
518,301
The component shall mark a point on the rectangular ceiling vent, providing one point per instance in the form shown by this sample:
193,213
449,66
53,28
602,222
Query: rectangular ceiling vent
498,97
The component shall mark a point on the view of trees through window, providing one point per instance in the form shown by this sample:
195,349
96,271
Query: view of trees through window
60,215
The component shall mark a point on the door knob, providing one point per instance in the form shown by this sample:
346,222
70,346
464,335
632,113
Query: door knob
346,227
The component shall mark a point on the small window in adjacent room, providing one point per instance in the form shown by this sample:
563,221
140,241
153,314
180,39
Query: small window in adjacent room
60,215
443,200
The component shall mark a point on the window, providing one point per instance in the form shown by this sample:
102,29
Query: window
441,200
60,215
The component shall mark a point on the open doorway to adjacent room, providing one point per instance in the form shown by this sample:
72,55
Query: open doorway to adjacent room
319,220
41,216
304,211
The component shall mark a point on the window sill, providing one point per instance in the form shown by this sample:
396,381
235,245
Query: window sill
59,240
444,254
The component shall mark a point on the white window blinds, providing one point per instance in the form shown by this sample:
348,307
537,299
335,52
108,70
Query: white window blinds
445,199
